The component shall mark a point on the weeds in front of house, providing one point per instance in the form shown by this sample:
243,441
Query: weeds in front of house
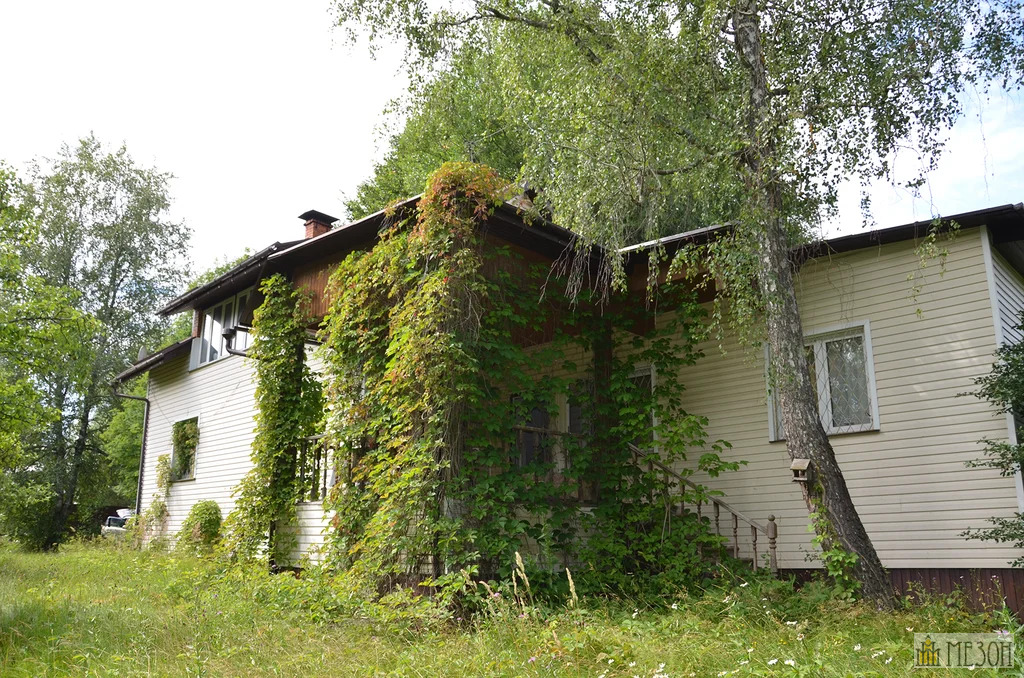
116,612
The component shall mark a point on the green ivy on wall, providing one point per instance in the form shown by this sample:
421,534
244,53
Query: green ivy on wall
288,407
439,347
148,528
184,441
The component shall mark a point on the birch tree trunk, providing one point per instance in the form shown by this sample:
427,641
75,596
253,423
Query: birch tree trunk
827,494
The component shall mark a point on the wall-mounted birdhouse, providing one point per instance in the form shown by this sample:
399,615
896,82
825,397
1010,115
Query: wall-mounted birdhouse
801,469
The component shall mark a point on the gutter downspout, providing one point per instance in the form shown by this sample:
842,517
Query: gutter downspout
145,433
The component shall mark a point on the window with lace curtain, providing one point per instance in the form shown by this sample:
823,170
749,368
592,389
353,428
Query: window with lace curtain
840,364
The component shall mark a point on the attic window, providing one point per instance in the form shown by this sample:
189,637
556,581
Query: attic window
211,344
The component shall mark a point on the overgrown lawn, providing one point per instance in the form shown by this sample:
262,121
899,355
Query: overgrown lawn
91,611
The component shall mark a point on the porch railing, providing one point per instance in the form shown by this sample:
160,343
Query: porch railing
315,474
718,508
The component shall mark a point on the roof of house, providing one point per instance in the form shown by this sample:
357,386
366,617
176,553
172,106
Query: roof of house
240,276
1006,223
507,221
151,361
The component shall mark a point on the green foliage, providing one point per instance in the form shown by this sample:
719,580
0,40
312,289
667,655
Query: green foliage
633,118
638,118
289,405
436,348
457,116
37,326
399,363
163,474
1003,387
101,235
195,617
200,530
839,563
38,333
147,529
184,441
121,438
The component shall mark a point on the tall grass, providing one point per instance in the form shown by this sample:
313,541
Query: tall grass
92,611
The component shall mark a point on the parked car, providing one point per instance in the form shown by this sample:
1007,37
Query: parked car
114,526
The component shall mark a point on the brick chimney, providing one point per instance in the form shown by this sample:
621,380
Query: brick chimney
317,223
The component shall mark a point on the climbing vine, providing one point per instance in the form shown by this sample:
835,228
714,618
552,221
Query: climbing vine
288,406
399,363
148,528
840,564
184,441
448,379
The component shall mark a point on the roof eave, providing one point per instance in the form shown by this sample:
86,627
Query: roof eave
151,361
186,300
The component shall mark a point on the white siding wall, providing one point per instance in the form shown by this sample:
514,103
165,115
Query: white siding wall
1009,289
221,395
312,524
908,480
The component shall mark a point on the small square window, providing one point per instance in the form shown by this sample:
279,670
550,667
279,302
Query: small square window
840,368
184,441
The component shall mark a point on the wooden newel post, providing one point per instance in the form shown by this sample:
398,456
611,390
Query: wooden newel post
773,533
735,536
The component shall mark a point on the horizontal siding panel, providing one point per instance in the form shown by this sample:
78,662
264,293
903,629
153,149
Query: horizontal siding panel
908,479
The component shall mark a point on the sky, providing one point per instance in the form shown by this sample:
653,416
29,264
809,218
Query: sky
262,111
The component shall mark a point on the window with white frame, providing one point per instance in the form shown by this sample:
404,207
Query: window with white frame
211,345
840,365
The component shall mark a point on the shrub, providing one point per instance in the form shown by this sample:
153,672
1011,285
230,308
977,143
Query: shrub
201,529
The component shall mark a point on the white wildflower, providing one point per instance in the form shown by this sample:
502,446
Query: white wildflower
744,662
749,650
675,606
790,662
744,585
773,662
889,660
856,648
791,623
799,636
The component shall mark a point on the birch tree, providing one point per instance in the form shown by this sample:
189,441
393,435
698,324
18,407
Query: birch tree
104,233
747,112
